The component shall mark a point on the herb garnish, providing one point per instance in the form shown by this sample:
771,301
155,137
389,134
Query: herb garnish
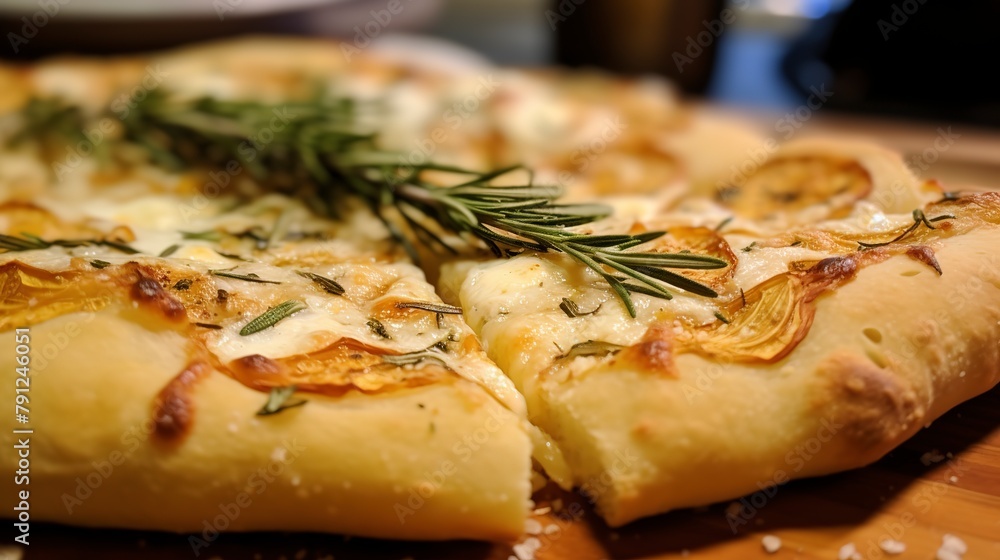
414,358
592,348
328,285
324,142
251,277
276,401
272,316
723,224
183,284
170,250
721,317
99,264
378,328
29,242
427,306
571,309
918,218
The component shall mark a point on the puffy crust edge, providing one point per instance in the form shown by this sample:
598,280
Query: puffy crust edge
440,462
888,353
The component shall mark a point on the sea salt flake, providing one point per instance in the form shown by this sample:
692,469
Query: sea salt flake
848,552
771,543
954,544
892,546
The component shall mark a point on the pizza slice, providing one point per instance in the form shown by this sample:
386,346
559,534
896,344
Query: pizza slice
200,365
825,347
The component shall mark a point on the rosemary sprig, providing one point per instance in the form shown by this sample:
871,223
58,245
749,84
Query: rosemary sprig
323,151
918,219
271,317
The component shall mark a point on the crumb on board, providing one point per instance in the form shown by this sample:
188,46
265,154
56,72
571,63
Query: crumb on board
532,527
931,457
771,543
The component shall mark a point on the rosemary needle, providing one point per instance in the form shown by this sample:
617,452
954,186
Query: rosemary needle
277,400
270,317
330,286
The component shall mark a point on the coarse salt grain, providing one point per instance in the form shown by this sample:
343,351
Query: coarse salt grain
892,546
945,554
532,527
771,543
951,542
526,550
848,552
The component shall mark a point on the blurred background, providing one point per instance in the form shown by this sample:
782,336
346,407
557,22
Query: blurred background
916,64
923,58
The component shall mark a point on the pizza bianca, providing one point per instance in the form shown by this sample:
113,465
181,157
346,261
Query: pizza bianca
210,334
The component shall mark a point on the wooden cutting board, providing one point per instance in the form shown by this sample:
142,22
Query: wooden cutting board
898,497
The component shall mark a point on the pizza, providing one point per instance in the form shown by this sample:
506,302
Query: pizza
219,341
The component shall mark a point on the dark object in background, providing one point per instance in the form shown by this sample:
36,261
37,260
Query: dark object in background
674,38
918,58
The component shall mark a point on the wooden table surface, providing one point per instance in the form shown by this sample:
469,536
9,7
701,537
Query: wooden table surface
898,497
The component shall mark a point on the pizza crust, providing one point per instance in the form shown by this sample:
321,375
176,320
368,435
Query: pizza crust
438,462
641,442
